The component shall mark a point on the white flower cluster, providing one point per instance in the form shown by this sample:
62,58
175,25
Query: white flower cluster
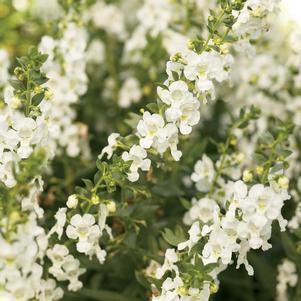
68,81
246,224
251,20
21,265
22,256
161,131
20,136
65,267
83,229
287,277
24,250
173,288
202,69
229,223
157,18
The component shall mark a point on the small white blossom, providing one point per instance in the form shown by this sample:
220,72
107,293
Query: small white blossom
112,145
83,229
138,156
203,173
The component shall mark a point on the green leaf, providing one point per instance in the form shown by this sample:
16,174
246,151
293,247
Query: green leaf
267,138
17,84
37,98
153,107
171,238
133,120
185,203
259,158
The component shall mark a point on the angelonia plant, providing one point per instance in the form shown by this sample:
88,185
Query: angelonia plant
149,151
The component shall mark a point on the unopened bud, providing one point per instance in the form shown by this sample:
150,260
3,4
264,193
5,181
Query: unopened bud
283,182
72,201
95,199
182,291
233,141
190,44
259,170
111,206
213,288
38,89
48,95
247,176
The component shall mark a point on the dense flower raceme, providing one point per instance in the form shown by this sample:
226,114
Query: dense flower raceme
21,236
276,90
68,81
232,218
24,242
178,102
33,121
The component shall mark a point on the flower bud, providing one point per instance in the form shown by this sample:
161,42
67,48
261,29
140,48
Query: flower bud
38,89
48,95
213,288
95,199
111,206
283,182
259,170
182,291
190,44
72,201
247,176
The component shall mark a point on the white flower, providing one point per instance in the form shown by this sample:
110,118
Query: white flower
85,230
168,138
155,15
49,291
171,258
194,236
57,254
110,148
205,68
203,173
67,269
148,128
102,14
137,155
204,210
183,106
61,218
96,52
287,277
219,246
130,92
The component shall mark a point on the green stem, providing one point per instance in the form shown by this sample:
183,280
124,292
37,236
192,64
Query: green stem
28,96
211,35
